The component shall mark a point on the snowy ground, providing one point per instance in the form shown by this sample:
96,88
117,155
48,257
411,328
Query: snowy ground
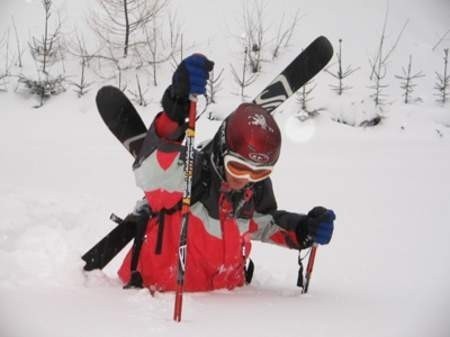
386,272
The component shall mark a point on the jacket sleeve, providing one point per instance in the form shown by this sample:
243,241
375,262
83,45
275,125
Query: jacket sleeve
276,226
158,169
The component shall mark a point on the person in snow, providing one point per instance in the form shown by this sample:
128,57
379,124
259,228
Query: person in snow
232,200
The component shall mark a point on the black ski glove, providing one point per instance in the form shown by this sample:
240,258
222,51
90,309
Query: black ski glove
317,227
189,78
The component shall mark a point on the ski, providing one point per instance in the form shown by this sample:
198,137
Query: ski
121,118
124,122
301,70
107,248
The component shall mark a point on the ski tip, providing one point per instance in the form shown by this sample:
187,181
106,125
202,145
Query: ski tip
325,47
322,40
106,92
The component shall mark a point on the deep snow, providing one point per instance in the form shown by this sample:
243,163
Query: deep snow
386,271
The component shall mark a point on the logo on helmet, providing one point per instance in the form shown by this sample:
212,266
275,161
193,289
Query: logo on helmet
259,157
259,120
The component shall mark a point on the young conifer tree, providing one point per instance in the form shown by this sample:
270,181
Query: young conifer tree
407,81
341,74
47,50
443,81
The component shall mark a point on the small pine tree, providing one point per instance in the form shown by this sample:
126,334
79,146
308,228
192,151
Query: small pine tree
82,85
340,74
407,79
443,81
303,98
46,51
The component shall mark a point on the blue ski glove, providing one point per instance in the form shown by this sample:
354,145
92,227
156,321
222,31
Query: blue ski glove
190,77
320,224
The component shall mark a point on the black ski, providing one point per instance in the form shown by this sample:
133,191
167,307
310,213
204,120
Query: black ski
301,70
121,118
107,248
125,123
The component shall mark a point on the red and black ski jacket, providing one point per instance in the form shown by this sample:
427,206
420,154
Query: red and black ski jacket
222,222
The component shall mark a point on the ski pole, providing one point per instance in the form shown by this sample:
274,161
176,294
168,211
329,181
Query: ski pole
309,267
186,207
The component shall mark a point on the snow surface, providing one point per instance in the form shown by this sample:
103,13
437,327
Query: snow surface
386,271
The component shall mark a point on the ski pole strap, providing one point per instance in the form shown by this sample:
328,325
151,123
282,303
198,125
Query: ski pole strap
161,225
300,282
159,238
309,267
141,228
248,271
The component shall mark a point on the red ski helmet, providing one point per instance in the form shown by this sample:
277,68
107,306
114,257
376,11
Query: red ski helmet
253,134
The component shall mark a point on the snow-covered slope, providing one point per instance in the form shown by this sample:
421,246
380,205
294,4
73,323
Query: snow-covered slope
386,271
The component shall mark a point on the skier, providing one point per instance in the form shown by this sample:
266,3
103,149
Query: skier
232,199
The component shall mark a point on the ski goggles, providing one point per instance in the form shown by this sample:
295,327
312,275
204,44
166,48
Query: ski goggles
241,169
